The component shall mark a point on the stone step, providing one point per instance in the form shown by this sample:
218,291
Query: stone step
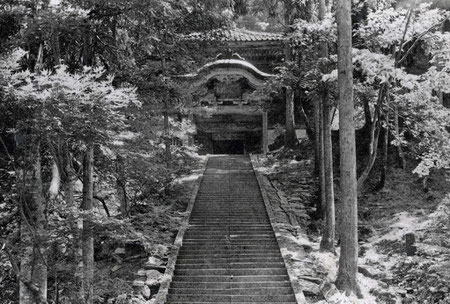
228,218
233,291
230,298
232,240
228,278
198,248
231,236
232,227
183,266
189,252
228,285
171,302
230,231
215,260
232,272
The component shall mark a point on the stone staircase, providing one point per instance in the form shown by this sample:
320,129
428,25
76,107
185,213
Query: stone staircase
229,252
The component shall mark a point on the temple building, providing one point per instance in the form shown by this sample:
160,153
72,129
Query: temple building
226,103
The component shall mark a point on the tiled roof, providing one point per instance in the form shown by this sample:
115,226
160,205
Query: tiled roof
236,35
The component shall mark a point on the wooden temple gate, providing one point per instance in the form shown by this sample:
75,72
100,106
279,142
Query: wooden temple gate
226,107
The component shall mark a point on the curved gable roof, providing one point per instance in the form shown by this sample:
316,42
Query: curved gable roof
229,67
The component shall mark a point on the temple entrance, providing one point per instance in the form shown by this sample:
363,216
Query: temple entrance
226,107
228,147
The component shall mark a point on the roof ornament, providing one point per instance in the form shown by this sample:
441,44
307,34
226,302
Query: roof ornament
228,54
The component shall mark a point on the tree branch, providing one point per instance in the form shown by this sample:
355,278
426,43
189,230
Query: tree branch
5,148
102,200
418,39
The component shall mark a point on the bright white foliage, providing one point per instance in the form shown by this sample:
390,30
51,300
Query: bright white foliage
385,28
89,98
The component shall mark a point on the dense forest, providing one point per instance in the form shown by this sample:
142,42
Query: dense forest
97,161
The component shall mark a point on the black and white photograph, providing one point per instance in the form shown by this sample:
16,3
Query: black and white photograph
224,151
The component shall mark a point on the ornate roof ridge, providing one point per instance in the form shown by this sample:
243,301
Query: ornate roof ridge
227,34
228,63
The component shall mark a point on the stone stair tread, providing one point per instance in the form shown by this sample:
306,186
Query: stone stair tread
293,302
231,298
227,278
216,285
182,261
234,291
229,266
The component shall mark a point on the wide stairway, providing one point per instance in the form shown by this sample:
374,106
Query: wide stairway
229,252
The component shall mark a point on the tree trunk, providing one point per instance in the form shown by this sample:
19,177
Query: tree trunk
367,113
54,42
55,183
319,125
319,157
166,115
328,236
290,139
87,234
348,261
87,48
33,263
374,136
305,118
39,59
401,155
384,166
76,223
167,132
121,183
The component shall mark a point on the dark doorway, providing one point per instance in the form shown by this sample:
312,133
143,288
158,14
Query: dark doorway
228,147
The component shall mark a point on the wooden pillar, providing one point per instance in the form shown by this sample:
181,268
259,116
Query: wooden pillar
265,135
441,97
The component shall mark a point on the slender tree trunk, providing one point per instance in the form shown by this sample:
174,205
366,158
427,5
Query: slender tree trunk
319,157
87,48
348,261
374,136
166,115
76,223
167,132
382,181
39,59
55,183
54,42
367,113
398,56
121,185
309,129
87,234
401,155
33,263
26,295
328,235
290,136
